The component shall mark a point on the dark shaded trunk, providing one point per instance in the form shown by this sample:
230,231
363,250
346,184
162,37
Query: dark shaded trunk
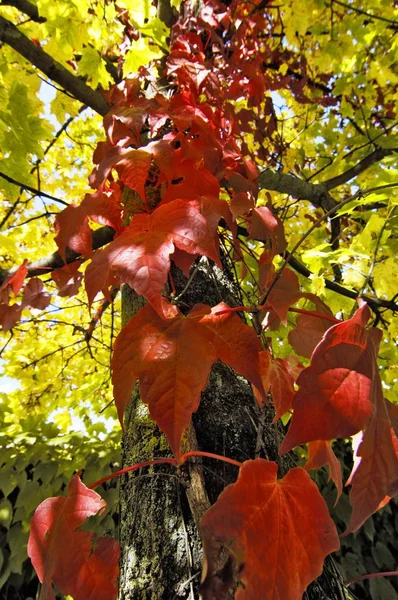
160,508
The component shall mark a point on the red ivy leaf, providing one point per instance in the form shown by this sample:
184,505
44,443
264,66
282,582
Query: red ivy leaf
374,479
9,315
320,453
278,378
72,224
68,279
266,226
35,296
335,395
140,257
172,360
132,167
266,526
73,231
15,281
67,557
310,330
284,293
241,203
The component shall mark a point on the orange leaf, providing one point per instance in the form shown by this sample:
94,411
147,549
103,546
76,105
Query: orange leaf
172,360
140,256
266,226
335,395
285,292
267,527
132,166
374,478
72,224
278,378
15,281
310,330
73,560
320,453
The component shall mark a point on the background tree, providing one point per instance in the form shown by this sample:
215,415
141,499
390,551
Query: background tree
272,128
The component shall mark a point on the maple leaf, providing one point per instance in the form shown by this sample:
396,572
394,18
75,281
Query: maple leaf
172,360
284,293
35,296
264,225
241,203
131,165
278,378
9,315
72,224
320,453
374,478
310,330
140,256
67,557
15,281
393,414
266,526
68,279
335,395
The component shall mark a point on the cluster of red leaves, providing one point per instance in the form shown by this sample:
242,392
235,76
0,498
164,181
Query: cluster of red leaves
157,183
34,296
75,561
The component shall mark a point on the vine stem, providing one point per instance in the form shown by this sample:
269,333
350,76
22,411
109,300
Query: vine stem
168,461
371,576
146,463
254,309
314,313
230,461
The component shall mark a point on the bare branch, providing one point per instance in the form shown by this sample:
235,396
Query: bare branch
369,160
12,36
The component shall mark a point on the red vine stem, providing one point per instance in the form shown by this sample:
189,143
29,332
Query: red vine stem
231,461
162,461
146,463
371,576
303,311
274,318
313,313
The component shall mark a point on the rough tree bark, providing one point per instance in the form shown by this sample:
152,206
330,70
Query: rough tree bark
160,509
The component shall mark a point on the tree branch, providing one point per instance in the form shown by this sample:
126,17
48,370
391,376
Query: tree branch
104,235
27,8
316,193
31,189
54,261
369,160
12,36
359,11
374,302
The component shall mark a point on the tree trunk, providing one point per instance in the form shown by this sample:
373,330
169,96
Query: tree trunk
161,508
